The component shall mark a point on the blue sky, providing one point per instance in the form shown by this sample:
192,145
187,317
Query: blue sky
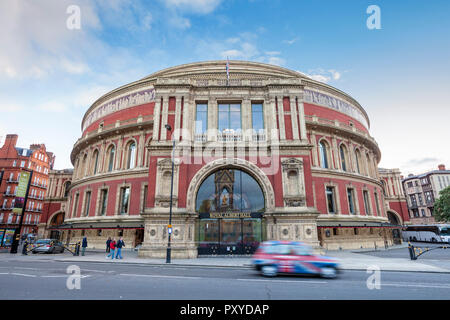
400,74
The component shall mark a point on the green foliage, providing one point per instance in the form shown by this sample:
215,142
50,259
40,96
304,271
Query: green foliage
442,206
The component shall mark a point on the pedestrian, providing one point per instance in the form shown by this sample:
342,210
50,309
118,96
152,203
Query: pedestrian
84,245
107,244
25,247
112,246
120,244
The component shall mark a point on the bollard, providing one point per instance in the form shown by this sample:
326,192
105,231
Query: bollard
412,254
77,248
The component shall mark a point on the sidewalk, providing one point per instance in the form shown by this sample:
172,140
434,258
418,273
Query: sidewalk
350,260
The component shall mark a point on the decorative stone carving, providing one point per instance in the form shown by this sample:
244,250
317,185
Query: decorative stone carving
293,182
163,183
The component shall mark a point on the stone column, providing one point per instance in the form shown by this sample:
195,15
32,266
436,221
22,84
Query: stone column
302,123
294,118
177,116
165,111
156,118
281,118
213,114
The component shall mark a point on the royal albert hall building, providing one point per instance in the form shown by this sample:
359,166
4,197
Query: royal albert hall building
261,153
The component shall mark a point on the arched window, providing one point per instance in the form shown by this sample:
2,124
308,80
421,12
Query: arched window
111,156
324,154
95,162
230,190
343,153
66,189
84,173
131,155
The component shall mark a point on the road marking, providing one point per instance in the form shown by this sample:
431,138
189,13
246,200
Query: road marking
23,274
157,276
415,285
282,281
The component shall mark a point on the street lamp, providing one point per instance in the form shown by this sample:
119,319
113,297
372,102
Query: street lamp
169,229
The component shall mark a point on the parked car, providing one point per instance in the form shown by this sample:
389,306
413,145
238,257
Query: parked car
48,246
274,257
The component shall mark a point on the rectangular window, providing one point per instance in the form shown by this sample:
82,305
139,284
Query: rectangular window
124,200
428,197
257,117
330,200
413,200
22,164
377,205
419,195
201,119
423,212
351,201
75,205
366,202
229,117
103,202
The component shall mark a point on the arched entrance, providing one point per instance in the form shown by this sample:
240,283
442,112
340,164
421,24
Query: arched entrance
55,222
396,232
230,204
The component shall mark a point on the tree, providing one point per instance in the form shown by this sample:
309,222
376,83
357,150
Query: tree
441,210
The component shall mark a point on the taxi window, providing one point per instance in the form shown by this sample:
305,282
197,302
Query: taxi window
278,249
302,251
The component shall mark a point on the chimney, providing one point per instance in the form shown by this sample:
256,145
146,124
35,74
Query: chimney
11,140
441,167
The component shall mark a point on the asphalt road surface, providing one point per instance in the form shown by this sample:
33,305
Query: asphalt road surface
50,280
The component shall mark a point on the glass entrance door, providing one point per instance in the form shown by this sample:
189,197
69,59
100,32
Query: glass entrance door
209,236
251,235
230,236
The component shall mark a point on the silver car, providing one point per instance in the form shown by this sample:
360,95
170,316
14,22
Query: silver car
48,246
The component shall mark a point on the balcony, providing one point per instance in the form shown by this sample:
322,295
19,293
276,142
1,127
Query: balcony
9,194
12,181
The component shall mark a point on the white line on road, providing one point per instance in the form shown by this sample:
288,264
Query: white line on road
24,275
415,285
157,276
282,281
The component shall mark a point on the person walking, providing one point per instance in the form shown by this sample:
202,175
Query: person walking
112,246
107,244
84,245
120,244
25,247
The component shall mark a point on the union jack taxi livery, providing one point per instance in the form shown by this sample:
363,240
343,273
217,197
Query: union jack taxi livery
273,257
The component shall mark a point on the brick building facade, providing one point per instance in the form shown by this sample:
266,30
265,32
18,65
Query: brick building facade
267,153
13,161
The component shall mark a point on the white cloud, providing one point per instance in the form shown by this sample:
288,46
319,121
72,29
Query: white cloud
10,107
193,6
324,75
290,42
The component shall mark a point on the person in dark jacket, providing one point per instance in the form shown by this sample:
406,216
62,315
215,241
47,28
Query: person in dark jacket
25,247
120,244
107,244
84,245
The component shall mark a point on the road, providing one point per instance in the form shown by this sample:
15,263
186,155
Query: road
48,280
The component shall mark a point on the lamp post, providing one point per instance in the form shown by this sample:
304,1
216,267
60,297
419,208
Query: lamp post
169,228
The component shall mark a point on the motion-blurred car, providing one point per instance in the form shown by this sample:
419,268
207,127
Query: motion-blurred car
274,257
48,246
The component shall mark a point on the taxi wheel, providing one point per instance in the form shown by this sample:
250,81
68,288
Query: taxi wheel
269,271
328,272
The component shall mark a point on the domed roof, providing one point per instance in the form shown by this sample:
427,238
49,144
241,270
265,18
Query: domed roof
218,68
